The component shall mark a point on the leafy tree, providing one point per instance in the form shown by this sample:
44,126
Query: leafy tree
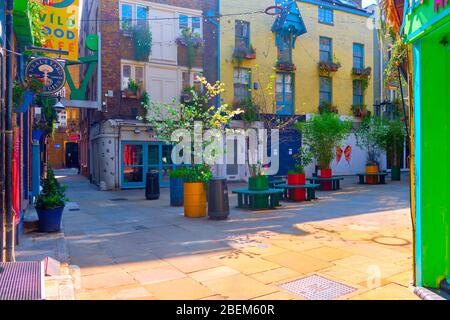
395,139
322,134
372,135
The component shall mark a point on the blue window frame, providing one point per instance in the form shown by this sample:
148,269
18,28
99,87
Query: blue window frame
242,84
285,94
242,34
326,45
325,91
358,55
138,158
285,49
326,15
358,94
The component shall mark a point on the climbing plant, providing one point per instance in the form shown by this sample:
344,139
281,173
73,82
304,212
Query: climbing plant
142,37
193,42
37,25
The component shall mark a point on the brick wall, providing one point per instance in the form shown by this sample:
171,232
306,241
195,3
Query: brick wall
116,46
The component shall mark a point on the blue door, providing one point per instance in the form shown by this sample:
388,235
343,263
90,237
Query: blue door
138,158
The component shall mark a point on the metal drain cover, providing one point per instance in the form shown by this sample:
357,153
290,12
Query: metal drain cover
318,288
22,281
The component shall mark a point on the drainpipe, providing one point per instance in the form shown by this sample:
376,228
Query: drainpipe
2,161
36,167
9,240
217,24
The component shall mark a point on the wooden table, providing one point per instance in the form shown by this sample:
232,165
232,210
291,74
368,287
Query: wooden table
335,182
246,198
310,190
381,175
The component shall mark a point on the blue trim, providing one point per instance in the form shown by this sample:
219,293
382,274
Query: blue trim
145,165
36,167
422,30
26,146
417,48
28,98
359,12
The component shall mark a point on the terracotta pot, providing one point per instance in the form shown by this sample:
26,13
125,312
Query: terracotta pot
194,200
371,169
326,185
297,179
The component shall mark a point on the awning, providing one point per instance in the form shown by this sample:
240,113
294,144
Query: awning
289,22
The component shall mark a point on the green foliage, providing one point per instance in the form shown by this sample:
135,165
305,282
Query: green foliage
193,42
133,86
250,111
322,134
303,158
37,26
395,139
399,53
32,84
48,114
52,195
142,40
371,135
177,173
326,107
197,173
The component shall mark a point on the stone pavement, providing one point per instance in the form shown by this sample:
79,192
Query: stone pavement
129,248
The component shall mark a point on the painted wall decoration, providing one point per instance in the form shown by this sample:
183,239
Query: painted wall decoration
49,71
60,19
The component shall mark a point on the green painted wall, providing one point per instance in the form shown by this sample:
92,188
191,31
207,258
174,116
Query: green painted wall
435,167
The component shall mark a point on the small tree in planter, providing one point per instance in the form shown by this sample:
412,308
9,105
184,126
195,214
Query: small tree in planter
395,139
297,176
195,181
371,135
322,134
176,187
50,204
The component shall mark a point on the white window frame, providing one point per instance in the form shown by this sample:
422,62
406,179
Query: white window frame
134,13
190,16
133,66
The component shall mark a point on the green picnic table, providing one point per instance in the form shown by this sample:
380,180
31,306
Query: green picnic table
381,175
335,182
250,199
310,190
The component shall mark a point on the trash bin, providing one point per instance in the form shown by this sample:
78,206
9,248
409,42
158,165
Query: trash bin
152,185
218,203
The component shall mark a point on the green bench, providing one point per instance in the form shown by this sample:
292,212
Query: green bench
251,199
335,182
310,190
381,175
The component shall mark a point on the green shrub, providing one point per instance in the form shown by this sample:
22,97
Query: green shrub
197,173
53,194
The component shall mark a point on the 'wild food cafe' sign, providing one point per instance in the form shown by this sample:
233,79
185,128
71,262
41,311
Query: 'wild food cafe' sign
60,20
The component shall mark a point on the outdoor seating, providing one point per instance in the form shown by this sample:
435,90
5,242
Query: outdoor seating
381,177
289,191
247,198
335,182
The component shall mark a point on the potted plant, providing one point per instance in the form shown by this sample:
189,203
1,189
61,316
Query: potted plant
50,204
322,134
251,53
371,135
195,180
177,187
258,181
132,89
326,68
297,176
286,66
395,141
360,110
326,107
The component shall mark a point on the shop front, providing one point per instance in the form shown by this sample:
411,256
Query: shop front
426,27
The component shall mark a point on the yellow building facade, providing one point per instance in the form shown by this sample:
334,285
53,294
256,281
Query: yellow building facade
342,29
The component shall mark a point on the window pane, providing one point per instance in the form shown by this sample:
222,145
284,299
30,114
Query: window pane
142,16
196,25
153,155
183,22
242,30
127,16
325,49
325,90
133,174
139,74
132,155
166,155
126,75
326,15
358,55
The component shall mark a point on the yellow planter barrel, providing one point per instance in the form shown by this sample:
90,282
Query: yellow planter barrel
372,170
194,200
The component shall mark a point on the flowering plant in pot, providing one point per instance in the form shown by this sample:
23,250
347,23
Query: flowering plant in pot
195,180
50,204
297,177
395,137
177,187
322,134
371,136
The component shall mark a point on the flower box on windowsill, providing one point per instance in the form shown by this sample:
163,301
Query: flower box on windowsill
360,111
326,68
128,94
286,66
244,54
362,72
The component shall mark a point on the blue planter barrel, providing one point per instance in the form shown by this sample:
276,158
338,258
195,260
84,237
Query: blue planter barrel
176,192
50,219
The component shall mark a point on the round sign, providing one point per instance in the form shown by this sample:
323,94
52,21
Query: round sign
61,3
49,71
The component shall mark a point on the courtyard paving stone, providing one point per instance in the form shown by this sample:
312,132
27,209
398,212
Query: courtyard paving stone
138,249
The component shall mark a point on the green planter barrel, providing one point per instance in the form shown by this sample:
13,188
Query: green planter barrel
259,183
395,174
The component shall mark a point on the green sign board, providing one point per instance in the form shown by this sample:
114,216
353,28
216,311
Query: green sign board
423,16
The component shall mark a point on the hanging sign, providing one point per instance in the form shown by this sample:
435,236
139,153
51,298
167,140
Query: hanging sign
60,20
49,71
